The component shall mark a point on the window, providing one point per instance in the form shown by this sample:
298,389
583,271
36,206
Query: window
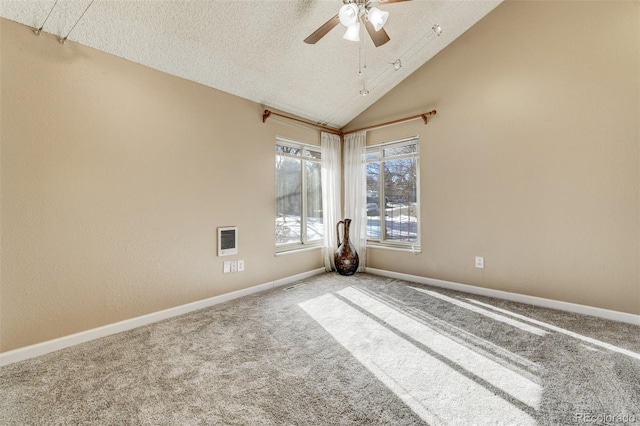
298,195
393,208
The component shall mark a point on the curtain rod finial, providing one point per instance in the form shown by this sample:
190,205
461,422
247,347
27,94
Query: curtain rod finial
266,114
427,114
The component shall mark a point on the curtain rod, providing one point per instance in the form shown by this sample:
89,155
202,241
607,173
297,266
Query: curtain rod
390,123
267,113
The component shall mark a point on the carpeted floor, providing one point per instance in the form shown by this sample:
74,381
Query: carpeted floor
341,350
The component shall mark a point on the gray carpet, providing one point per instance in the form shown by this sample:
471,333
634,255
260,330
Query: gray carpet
341,350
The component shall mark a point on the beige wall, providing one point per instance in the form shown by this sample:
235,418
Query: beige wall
114,178
533,159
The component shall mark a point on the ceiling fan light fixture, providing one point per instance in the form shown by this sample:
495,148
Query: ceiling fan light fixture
377,17
353,32
348,14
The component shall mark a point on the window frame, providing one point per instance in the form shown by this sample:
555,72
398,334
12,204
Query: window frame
304,148
380,159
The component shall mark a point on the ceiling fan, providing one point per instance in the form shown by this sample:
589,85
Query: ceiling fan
350,15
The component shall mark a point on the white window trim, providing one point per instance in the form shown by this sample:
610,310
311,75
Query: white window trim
412,247
302,245
297,249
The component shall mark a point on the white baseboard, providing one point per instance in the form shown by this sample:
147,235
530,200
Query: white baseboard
38,349
514,297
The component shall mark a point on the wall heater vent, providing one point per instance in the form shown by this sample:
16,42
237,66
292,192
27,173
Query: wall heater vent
227,240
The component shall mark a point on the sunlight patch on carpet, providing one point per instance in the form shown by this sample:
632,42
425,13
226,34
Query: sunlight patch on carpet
489,314
562,330
477,365
432,389
502,356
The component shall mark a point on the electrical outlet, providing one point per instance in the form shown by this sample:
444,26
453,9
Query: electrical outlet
240,265
227,267
234,266
479,262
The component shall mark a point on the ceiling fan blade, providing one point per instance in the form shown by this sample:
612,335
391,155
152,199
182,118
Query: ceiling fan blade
391,1
379,37
323,30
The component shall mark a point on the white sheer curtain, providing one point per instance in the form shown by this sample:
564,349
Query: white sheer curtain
355,191
331,181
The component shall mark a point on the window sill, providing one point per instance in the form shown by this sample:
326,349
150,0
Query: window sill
297,249
415,249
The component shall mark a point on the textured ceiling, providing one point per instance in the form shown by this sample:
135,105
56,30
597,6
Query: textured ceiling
255,50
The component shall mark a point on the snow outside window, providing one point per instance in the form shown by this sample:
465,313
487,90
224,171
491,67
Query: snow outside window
393,206
298,195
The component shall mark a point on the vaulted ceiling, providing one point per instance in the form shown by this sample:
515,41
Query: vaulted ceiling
255,49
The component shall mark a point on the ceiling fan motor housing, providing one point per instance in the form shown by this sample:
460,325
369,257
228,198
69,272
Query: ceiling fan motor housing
350,14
